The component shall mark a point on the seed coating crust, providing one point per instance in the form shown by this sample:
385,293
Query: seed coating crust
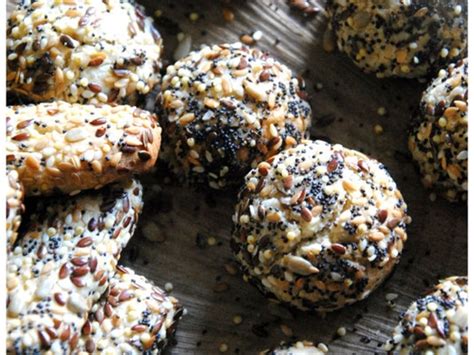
400,38
15,207
63,265
132,317
227,107
438,137
436,324
319,226
84,51
62,147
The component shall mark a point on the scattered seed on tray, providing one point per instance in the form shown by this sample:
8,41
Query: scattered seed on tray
228,15
299,347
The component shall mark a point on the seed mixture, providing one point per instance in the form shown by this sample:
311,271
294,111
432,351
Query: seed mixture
63,265
400,38
84,51
318,226
298,348
435,324
15,207
438,137
132,317
70,147
227,107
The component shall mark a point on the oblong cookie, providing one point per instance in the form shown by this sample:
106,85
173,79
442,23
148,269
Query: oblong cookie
70,147
15,207
63,265
84,51
132,317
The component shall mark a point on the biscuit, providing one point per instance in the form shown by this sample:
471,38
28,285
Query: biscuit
435,324
15,207
63,264
62,147
400,38
438,136
227,107
82,51
318,226
132,317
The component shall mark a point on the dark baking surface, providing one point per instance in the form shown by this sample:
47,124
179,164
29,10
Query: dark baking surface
345,111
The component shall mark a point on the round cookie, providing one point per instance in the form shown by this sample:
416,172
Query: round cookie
84,51
227,107
319,226
298,348
435,324
438,138
400,38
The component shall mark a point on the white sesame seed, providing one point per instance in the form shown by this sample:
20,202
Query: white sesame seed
102,97
444,53
84,82
140,85
69,74
341,331
462,155
12,56
168,287
190,142
423,321
87,94
257,35
73,89
323,347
